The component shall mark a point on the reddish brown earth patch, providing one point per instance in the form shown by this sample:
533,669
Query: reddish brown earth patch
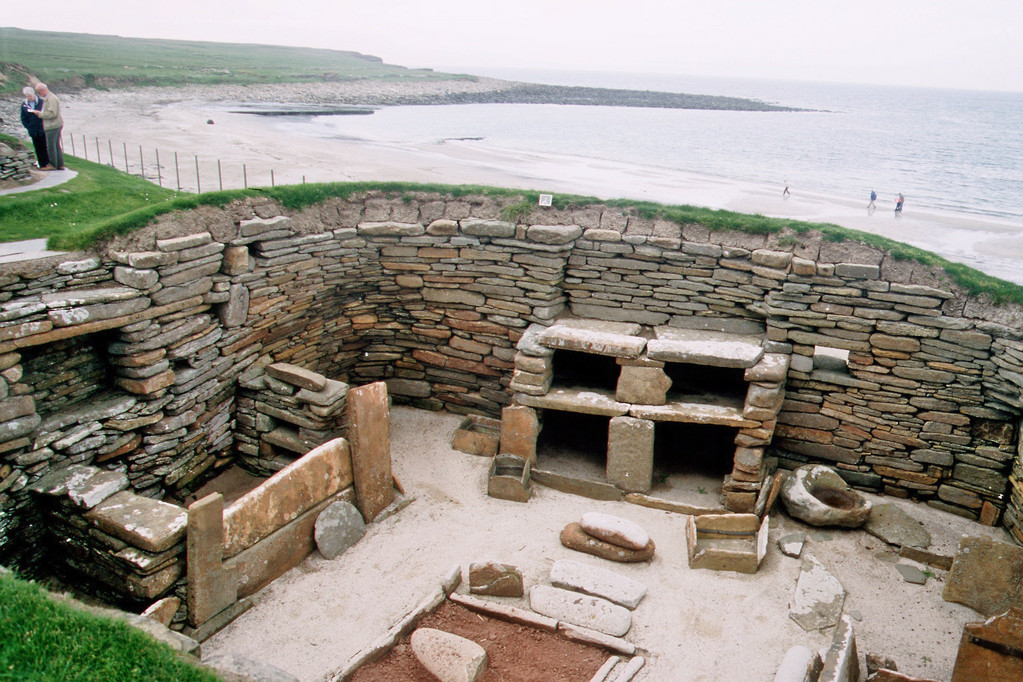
515,653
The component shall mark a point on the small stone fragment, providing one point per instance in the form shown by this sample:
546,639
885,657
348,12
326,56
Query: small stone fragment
448,657
495,579
911,574
792,544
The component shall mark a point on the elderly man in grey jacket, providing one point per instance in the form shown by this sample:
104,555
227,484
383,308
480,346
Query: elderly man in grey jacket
53,124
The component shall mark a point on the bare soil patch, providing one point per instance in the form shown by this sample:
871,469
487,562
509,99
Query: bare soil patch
515,653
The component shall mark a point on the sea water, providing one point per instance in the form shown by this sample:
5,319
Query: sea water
954,150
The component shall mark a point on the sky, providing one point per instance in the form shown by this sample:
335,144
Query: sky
927,43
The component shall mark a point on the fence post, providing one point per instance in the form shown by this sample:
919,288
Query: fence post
177,171
159,173
271,177
125,156
245,177
142,164
220,176
99,159
73,152
110,148
198,185
85,147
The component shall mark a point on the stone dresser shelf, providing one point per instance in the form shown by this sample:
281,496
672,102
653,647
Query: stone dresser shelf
712,374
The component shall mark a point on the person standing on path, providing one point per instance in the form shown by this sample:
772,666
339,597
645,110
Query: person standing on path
873,198
33,124
53,124
898,204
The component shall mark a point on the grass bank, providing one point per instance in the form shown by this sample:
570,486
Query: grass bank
79,60
103,202
42,640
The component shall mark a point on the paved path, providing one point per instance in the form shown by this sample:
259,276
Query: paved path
32,248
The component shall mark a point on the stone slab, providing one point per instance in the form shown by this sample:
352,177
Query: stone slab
841,663
986,575
818,598
287,494
297,376
705,347
893,525
630,454
597,581
280,551
505,612
614,339
145,523
595,490
84,485
520,427
615,529
337,528
574,537
642,385
369,434
586,611
211,587
495,579
582,401
992,650
694,412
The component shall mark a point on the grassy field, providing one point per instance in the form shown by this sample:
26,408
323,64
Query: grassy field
74,60
42,640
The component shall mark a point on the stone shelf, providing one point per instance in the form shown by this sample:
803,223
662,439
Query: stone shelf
582,400
695,413
705,347
597,337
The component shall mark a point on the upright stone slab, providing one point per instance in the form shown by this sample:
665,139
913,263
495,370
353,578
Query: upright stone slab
842,664
991,651
369,435
630,454
211,587
520,427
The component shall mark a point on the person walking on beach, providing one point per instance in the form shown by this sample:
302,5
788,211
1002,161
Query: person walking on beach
898,204
33,124
53,124
786,193
873,198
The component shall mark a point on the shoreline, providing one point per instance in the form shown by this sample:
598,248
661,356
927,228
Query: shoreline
251,148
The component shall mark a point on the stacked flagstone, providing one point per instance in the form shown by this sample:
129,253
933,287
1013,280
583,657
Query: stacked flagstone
284,411
15,165
430,293
609,537
132,544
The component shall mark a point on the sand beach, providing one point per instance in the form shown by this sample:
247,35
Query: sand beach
250,147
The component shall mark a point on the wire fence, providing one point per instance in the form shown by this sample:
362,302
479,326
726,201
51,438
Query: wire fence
185,175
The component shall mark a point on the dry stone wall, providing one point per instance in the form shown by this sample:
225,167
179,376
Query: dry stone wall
432,293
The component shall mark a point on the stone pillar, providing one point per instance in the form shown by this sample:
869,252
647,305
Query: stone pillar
642,382
630,454
520,428
370,441
211,586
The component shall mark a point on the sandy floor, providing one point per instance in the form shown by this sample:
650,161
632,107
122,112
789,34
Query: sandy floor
250,147
713,625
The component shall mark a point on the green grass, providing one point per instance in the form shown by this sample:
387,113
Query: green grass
97,193
75,60
42,640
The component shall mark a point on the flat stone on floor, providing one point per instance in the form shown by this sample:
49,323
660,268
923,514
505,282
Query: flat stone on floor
586,611
597,581
818,599
891,524
448,657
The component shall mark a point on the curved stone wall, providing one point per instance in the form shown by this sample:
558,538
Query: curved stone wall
432,293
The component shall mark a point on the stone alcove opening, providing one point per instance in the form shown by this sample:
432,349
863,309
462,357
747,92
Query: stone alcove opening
705,383
691,461
573,369
572,444
63,374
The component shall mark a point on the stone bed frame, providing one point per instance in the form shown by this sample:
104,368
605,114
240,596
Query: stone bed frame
132,360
